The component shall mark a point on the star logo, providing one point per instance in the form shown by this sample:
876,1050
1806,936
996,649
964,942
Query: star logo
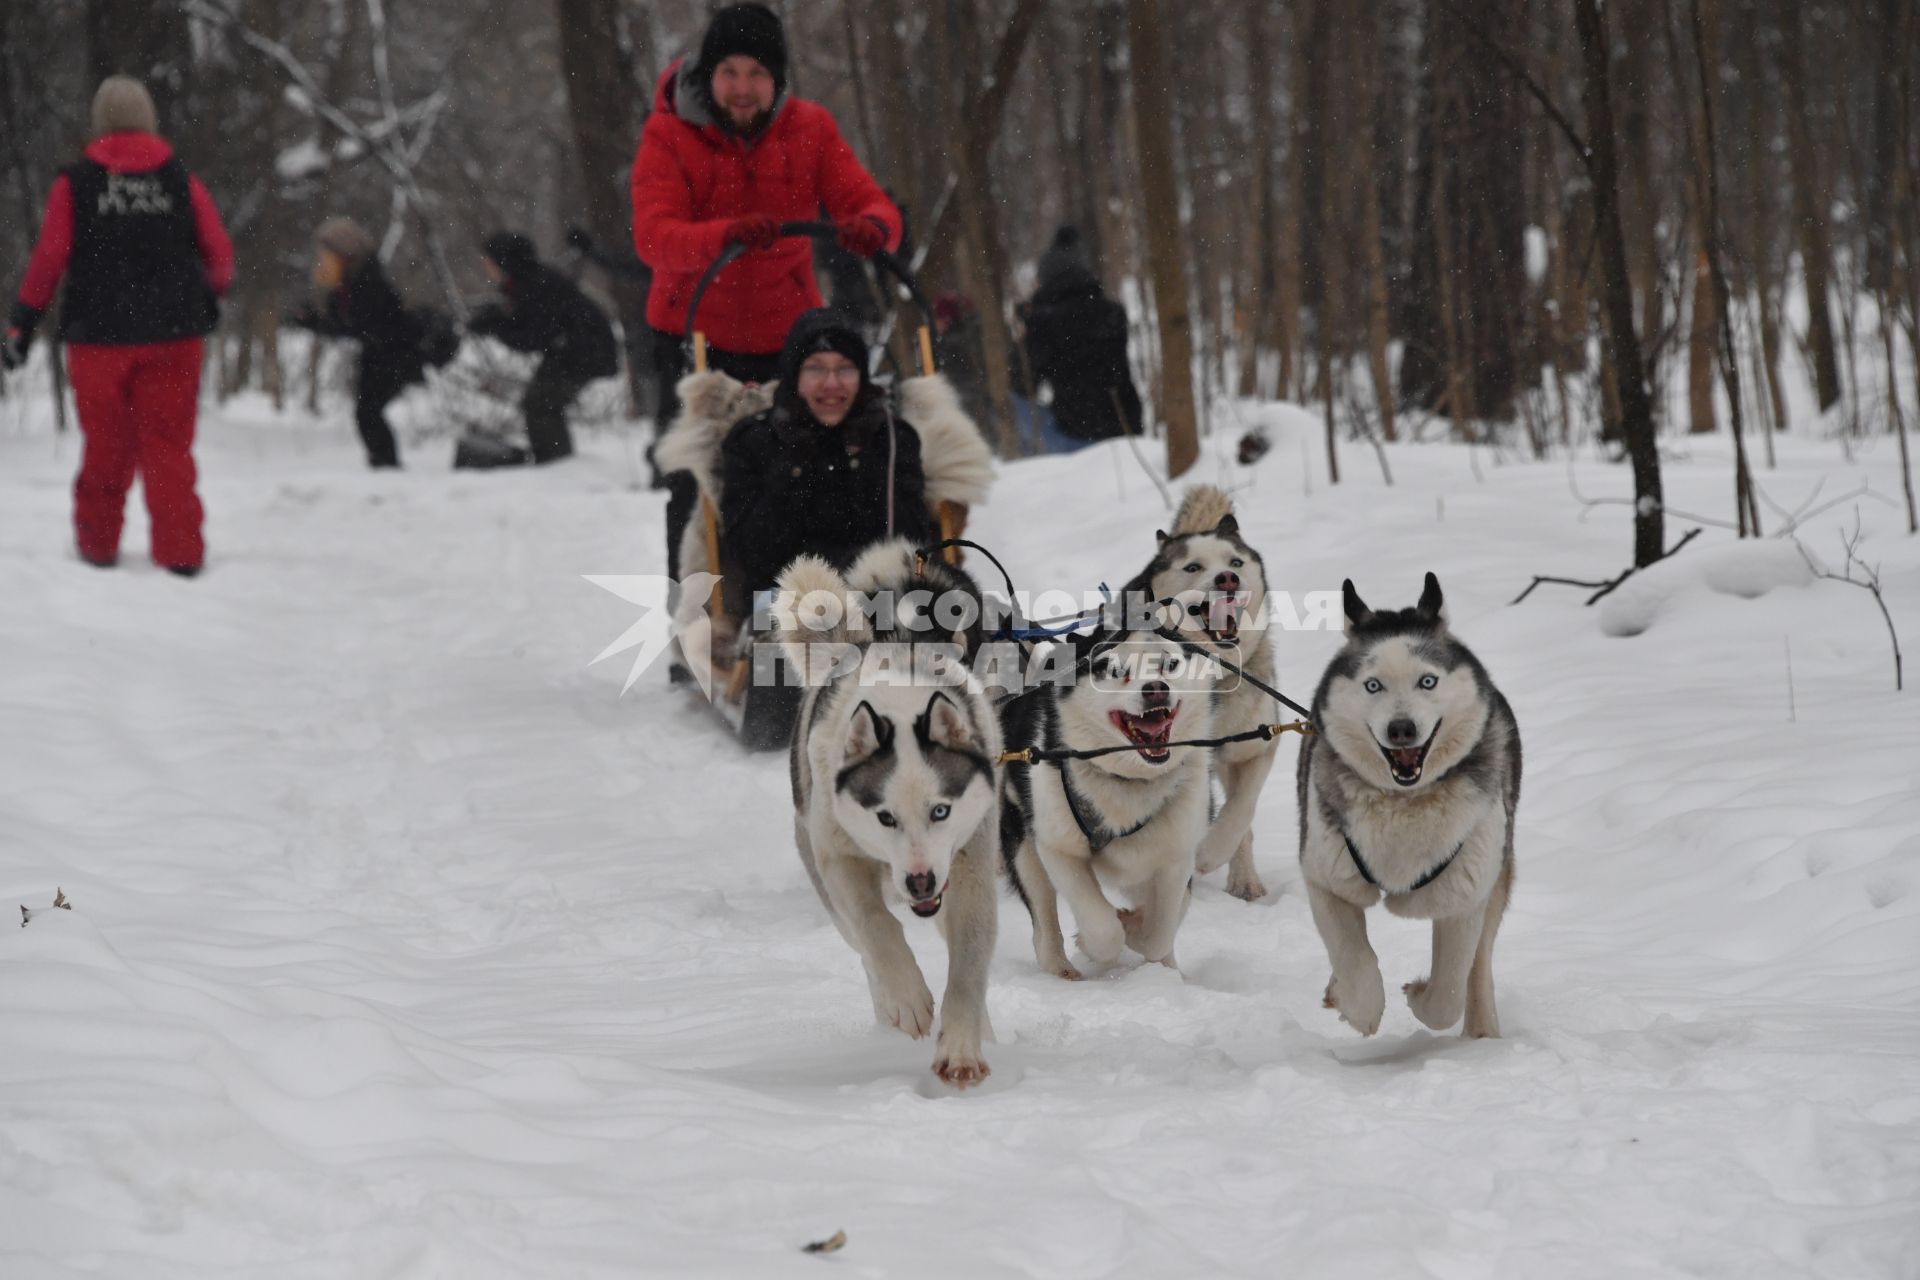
670,612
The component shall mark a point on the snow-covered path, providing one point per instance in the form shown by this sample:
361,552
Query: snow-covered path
403,946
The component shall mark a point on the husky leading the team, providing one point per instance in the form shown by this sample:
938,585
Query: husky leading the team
905,794
1407,794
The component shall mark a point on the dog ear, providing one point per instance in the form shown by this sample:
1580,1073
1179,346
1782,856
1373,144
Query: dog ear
866,735
1358,615
1229,526
1432,606
948,726
1161,535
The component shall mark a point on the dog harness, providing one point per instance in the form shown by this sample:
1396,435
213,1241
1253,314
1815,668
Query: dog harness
1367,874
1105,837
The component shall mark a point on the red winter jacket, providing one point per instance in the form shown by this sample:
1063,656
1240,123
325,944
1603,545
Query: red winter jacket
147,319
690,178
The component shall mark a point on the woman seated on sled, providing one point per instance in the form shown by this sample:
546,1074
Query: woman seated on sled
820,462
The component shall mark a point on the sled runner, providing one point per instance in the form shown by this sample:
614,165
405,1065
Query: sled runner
716,641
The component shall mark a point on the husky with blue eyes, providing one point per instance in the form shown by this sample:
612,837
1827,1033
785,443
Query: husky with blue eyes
1407,796
896,792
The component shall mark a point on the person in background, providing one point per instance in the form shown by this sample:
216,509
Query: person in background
146,260
1076,343
726,157
357,301
545,313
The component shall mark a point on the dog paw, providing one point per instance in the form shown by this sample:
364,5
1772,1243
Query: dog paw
959,1062
1066,970
911,1011
1429,1007
1361,1002
1103,939
1211,856
1247,888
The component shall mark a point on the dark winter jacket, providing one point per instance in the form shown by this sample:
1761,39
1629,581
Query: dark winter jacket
366,308
1077,343
791,485
139,242
546,313
691,177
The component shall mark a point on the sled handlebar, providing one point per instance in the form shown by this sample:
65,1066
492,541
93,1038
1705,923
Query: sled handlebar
886,262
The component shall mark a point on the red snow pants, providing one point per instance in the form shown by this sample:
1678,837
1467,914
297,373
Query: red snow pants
138,405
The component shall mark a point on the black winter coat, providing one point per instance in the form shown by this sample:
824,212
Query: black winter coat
366,308
792,486
547,314
1077,343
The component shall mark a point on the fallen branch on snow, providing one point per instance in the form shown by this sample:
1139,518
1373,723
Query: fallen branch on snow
1611,584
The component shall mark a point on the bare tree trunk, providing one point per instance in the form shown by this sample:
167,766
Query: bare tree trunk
602,103
1621,342
891,89
1152,97
1286,317
1809,212
1467,179
1264,278
1705,23
1365,91
1104,112
1760,196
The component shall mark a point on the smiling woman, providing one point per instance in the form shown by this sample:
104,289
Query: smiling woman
828,469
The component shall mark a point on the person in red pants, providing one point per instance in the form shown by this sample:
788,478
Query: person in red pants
146,259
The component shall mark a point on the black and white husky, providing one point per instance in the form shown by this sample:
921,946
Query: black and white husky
1221,583
1127,822
1407,795
896,792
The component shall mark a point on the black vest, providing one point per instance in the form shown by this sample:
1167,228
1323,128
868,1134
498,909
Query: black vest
135,275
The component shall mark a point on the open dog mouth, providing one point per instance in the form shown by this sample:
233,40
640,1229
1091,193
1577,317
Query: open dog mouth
1406,763
927,908
1150,731
1219,616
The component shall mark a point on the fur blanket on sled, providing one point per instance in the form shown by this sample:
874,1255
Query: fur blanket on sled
953,454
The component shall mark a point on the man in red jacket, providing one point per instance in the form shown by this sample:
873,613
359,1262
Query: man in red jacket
145,258
726,157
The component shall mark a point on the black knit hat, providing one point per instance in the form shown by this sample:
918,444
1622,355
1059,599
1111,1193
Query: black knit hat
821,329
752,29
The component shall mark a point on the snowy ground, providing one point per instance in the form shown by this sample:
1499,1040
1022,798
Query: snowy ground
403,946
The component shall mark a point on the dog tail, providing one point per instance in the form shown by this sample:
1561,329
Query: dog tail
1201,510
811,607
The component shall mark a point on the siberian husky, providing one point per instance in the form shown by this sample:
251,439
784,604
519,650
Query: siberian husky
1128,821
1407,794
896,791
1222,582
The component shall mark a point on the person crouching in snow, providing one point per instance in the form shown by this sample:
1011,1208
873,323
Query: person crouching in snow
827,470
146,260
546,313
359,302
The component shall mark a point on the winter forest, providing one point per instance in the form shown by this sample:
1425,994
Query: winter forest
395,903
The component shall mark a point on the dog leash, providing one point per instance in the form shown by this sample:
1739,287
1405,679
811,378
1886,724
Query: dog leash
1054,755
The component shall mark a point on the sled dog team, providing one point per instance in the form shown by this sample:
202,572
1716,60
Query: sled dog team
903,790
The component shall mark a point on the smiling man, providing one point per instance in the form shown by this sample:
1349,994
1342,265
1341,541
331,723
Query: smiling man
727,156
